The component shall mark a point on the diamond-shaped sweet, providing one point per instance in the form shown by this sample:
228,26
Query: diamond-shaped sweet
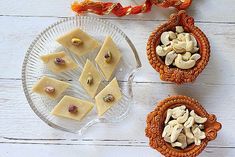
90,78
50,87
111,89
108,57
58,62
68,104
78,42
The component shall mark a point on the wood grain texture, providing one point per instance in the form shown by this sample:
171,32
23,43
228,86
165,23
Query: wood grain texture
22,132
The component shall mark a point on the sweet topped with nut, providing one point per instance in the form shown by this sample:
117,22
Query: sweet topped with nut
73,108
183,127
108,97
90,78
79,42
50,87
58,62
108,57
178,49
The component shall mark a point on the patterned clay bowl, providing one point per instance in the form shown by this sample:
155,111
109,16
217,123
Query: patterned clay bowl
174,74
155,125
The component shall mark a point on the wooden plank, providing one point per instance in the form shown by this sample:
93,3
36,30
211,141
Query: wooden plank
18,33
16,114
222,11
13,150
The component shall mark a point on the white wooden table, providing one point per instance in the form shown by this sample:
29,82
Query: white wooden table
22,133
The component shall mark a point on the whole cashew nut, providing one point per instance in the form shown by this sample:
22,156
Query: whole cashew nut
176,131
183,118
180,63
186,56
165,38
181,37
188,133
189,46
179,29
182,139
197,118
177,113
199,134
160,51
173,123
170,57
195,57
179,47
172,35
197,141
167,131
168,115
190,140
194,40
167,49
189,123
176,144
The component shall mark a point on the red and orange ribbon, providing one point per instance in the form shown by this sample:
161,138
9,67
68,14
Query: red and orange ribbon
104,8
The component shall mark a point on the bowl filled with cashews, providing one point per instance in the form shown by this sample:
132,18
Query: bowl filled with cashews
178,49
180,127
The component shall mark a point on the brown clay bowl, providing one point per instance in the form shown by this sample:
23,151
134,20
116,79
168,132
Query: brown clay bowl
155,125
174,74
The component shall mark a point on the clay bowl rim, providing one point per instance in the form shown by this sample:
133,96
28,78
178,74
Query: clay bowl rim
187,22
190,104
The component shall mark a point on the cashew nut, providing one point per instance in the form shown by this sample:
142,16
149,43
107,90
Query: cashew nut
194,40
168,115
187,37
177,113
170,57
179,47
165,38
173,123
188,132
180,63
172,35
182,139
194,127
181,37
160,51
167,48
189,123
183,118
197,141
190,141
167,139
176,131
189,46
179,29
199,134
167,131
195,57
186,56
176,144
197,118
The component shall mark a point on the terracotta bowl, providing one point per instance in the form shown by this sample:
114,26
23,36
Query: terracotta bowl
174,74
155,125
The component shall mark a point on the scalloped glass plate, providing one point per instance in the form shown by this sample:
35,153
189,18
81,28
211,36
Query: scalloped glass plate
33,69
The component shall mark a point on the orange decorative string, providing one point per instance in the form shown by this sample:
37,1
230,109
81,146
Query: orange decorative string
104,8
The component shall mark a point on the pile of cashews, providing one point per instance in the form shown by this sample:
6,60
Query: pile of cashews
179,48
183,128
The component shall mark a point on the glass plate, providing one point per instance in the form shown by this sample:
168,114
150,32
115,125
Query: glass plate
33,69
